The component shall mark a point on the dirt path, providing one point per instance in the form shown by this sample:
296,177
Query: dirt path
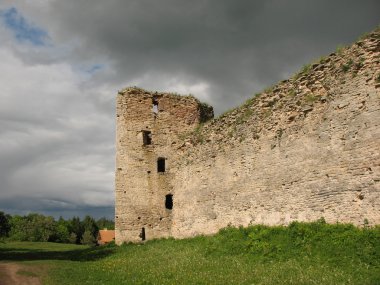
15,274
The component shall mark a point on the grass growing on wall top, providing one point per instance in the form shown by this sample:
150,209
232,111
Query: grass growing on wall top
303,253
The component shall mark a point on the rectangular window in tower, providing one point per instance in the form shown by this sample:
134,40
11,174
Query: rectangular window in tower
169,201
147,137
155,106
142,234
161,164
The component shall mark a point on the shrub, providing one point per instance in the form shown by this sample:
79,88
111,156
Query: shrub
292,93
88,238
339,50
310,98
345,67
197,134
335,243
306,68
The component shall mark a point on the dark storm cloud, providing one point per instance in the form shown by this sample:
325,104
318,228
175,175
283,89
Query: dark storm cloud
237,47
57,100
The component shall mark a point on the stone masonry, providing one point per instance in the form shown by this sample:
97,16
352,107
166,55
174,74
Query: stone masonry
149,127
306,148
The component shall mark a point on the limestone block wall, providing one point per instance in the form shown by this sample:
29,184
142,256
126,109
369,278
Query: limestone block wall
308,148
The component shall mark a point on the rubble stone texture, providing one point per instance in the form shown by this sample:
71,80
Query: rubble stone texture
306,148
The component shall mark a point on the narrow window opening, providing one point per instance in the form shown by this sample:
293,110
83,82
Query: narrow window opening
147,137
161,164
169,201
142,234
155,106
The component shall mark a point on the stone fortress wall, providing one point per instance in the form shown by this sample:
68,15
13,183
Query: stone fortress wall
306,148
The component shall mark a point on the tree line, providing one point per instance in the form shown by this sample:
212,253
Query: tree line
37,227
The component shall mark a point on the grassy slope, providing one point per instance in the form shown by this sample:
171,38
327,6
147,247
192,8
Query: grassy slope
313,253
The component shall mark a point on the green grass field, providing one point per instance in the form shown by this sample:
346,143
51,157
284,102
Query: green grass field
313,253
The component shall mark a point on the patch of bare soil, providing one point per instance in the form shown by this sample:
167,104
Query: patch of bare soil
16,274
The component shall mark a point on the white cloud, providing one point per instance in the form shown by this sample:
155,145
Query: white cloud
55,142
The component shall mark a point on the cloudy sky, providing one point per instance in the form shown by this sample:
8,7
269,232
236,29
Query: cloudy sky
62,62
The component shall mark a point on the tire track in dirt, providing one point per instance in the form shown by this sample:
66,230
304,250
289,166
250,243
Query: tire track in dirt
9,275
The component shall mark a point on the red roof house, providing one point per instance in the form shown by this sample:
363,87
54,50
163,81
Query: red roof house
105,236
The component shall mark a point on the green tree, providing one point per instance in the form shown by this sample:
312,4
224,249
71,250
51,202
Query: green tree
18,225
39,227
104,223
33,227
76,227
5,225
72,238
90,225
88,238
61,233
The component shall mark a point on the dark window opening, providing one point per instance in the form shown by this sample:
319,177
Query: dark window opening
147,137
155,106
148,171
161,164
169,201
142,234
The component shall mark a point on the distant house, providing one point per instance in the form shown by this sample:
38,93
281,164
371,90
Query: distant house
105,236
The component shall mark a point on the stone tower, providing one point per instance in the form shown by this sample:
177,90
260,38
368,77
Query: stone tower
149,126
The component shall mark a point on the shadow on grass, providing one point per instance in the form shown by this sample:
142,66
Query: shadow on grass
26,254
